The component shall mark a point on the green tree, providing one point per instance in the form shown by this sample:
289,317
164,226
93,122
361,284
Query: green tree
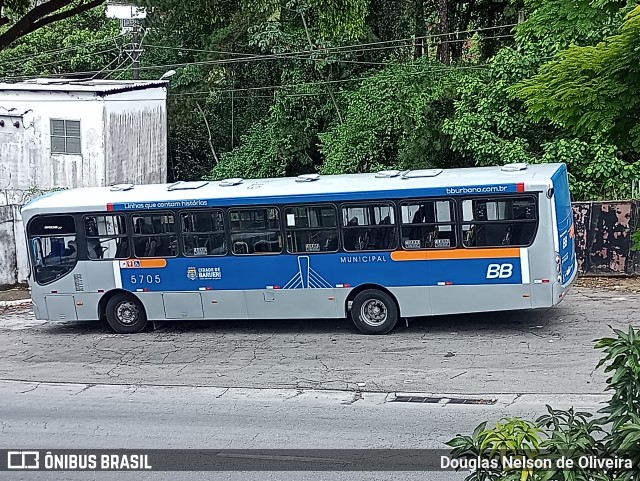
21,17
492,124
81,43
593,90
394,120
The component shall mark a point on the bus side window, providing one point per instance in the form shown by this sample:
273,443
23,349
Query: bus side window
497,222
154,235
106,236
311,229
428,224
255,231
368,227
203,233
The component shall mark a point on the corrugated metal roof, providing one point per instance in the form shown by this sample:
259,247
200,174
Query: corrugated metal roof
100,87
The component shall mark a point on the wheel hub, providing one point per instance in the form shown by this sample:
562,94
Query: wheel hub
127,313
373,312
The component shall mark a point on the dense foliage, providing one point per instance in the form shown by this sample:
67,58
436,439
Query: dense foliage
81,43
284,87
19,18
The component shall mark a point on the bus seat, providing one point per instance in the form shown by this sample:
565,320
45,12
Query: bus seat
123,248
240,247
331,244
382,238
150,249
492,234
350,239
262,246
523,233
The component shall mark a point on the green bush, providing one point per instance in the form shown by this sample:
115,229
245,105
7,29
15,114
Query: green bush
569,434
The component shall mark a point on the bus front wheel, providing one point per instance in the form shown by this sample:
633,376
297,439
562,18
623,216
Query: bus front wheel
126,314
374,312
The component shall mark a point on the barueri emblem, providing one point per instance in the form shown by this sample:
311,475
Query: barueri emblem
192,273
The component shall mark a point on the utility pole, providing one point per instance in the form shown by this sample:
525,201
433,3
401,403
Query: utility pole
136,51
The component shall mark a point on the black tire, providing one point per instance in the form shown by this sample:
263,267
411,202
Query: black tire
126,314
374,312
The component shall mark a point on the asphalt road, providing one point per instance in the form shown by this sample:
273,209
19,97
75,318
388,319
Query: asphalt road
294,384
58,416
546,351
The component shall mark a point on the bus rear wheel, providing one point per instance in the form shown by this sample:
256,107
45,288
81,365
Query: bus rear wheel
126,314
374,312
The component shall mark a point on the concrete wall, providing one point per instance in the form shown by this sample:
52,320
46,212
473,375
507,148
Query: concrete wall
135,139
26,160
13,251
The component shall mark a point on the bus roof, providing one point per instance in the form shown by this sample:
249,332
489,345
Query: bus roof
311,188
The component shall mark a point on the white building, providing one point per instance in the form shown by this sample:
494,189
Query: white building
75,133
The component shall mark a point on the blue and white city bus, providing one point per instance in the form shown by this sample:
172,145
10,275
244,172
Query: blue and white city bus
375,247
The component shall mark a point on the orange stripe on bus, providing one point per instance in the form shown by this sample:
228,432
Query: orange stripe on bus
492,253
153,263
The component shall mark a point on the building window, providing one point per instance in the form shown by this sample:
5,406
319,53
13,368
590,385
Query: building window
499,222
106,236
368,227
428,224
65,136
311,229
255,231
154,235
203,233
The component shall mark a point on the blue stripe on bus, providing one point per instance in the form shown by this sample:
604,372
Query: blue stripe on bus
316,197
287,271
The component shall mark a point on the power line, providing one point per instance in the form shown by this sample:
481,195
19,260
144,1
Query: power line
60,50
324,82
58,62
232,61
356,46
118,68
344,49
278,87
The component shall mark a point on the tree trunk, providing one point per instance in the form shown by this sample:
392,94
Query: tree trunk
420,30
444,48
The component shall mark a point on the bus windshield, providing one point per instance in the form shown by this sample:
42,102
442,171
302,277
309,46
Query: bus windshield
54,249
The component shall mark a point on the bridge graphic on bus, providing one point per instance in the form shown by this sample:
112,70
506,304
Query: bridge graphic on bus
306,277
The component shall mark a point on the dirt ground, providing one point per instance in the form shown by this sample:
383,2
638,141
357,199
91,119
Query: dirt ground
622,284
14,294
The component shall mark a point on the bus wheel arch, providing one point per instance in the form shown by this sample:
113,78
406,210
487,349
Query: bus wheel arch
123,310
376,300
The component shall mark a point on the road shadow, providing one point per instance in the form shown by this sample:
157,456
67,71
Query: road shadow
487,322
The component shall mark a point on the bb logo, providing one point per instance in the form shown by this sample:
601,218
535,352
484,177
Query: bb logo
499,271
23,460
192,274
